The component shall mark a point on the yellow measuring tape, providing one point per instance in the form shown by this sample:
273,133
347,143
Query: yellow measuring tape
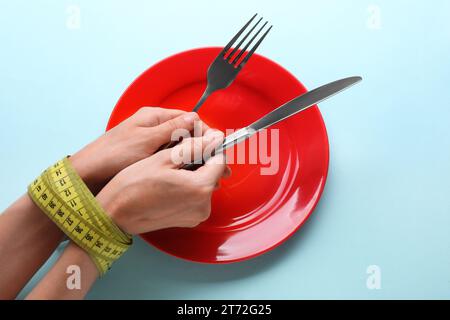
66,200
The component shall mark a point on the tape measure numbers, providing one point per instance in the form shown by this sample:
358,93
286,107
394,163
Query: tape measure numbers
66,200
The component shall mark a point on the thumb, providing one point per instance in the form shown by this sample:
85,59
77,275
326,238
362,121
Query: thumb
174,128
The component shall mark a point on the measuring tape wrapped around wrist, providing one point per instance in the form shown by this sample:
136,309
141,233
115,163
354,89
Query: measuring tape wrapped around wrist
66,200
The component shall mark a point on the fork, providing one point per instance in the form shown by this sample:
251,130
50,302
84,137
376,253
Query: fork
226,66
224,69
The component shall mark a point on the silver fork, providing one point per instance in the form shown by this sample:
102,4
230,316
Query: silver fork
226,66
224,69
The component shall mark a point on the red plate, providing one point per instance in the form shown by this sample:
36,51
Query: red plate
251,213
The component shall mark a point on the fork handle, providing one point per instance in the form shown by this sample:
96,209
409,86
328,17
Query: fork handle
203,98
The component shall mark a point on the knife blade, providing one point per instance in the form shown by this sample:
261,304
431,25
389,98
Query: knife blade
303,102
283,112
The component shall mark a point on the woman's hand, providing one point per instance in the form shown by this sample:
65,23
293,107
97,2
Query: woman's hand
155,193
135,139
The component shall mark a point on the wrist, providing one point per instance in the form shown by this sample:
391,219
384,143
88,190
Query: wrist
112,203
86,168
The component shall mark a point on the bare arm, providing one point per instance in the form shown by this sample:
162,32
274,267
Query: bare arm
147,206
70,278
27,239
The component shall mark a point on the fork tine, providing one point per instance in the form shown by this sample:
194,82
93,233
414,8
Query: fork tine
228,46
244,61
248,44
236,48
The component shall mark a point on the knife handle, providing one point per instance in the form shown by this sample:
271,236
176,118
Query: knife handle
195,165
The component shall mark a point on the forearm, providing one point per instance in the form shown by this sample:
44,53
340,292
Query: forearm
27,239
70,278
73,274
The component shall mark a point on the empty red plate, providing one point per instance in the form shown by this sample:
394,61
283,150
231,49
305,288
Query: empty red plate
251,213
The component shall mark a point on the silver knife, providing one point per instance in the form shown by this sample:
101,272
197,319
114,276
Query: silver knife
283,112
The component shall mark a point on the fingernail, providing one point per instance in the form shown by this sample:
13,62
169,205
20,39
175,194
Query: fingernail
217,134
190,117
208,137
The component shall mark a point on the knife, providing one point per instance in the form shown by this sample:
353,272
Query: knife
281,113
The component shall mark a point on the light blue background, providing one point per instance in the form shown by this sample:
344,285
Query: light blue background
387,199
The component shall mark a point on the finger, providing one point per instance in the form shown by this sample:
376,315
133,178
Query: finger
153,116
193,149
174,129
218,138
203,128
214,139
